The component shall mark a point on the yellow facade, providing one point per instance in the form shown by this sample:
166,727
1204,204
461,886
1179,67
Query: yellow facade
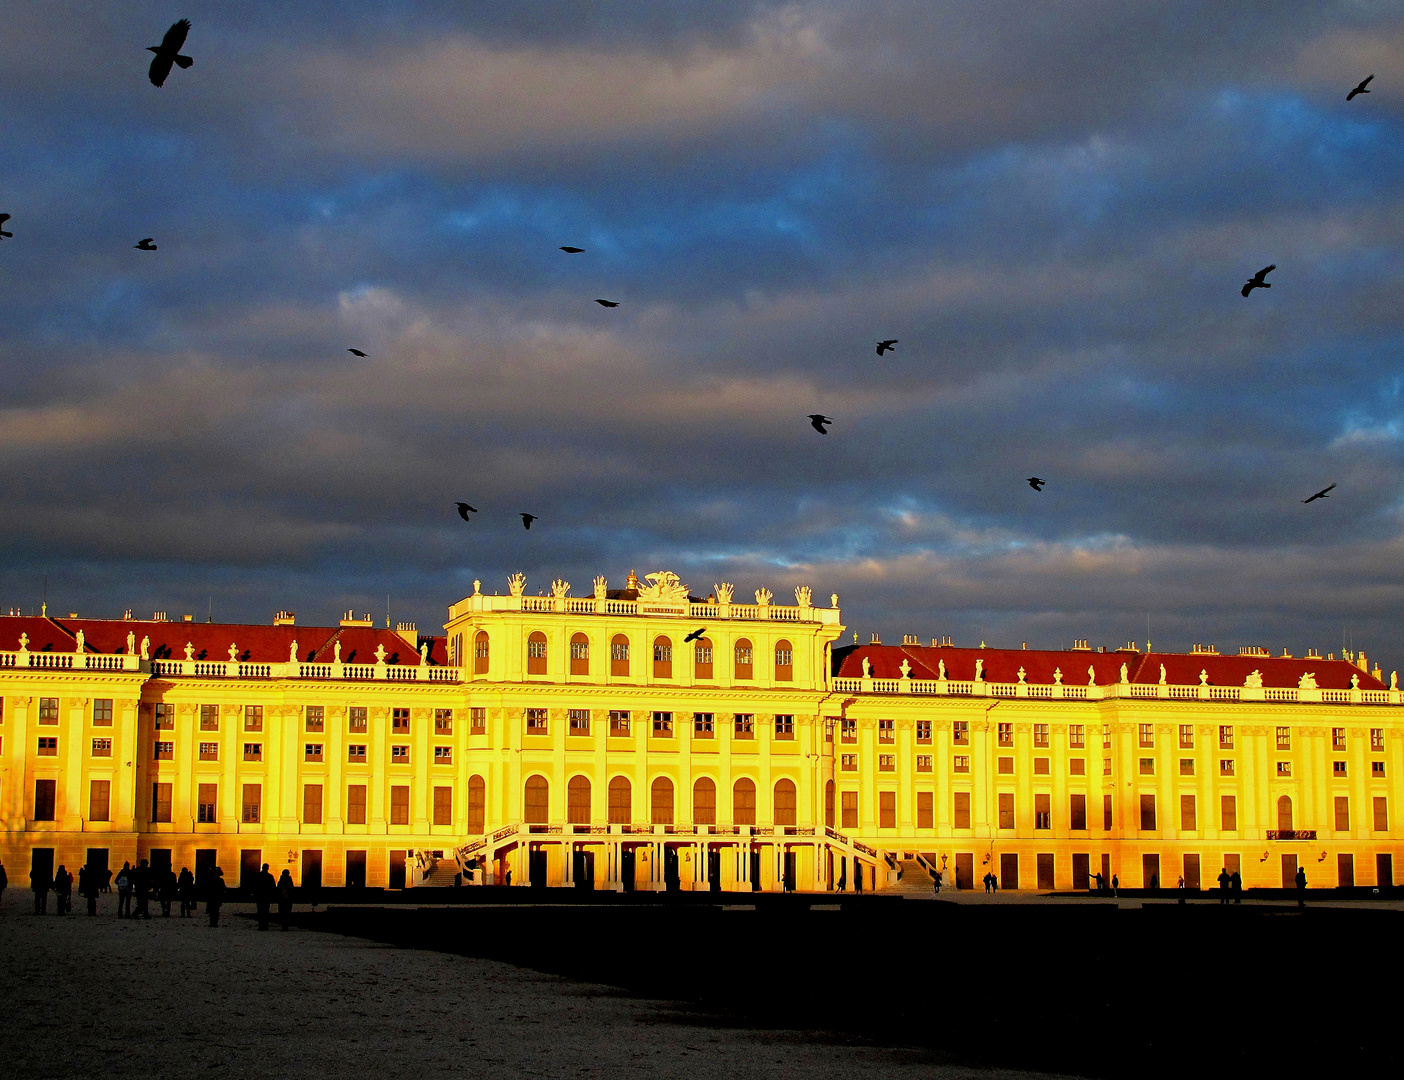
515,757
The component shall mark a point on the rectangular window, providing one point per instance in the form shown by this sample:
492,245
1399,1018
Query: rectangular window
1077,766
1342,813
99,800
1147,766
1284,768
165,717
1043,811
923,731
163,751
315,717
161,804
1377,769
312,751
209,751
356,804
1225,738
102,748
1284,738
443,755
1040,735
1338,738
356,718
923,763
784,727
744,726
1106,813
848,731
1106,736
1186,736
1228,813
209,717
253,751
887,763
48,746
848,762
961,810
399,755
887,809
1145,734
102,712
1077,737
618,722
48,710
253,717
703,725
1006,734
1189,818
536,721
1041,766
206,799
311,804
886,732
252,803
1376,739
1186,766
1077,813
1338,768
400,721
1226,766
399,804
960,763
443,806
477,721
960,733
579,721
356,753
1006,810
662,725
1005,766
1106,766
848,818
1148,813
926,810
1381,807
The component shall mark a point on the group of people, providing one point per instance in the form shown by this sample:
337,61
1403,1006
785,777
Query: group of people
137,885
1230,886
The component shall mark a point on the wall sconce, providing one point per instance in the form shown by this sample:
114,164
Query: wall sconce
1264,858
292,856
1322,857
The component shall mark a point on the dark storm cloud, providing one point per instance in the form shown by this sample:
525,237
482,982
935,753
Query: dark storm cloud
1051,206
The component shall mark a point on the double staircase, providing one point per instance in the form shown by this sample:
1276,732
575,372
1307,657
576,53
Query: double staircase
915,880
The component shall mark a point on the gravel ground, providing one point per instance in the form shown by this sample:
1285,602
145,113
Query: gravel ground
174,998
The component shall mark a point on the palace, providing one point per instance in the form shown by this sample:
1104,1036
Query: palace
645,738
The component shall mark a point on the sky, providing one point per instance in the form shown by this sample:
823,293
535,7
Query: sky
1052,207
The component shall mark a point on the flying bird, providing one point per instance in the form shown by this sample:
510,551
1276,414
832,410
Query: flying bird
168,52
356,352
527,519
1037,482
1361,88
1257,281
694,635
4,218
606,303
1319,495
464,510
572,251
146,244
886,346
818,420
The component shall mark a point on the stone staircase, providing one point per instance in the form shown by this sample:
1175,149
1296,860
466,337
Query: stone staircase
915,881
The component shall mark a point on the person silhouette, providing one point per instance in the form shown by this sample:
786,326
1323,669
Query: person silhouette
265,890
285,897
1301,887
214,895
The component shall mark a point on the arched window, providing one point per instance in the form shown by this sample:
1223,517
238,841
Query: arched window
743,802
537,808
578,800
662,658
579,654
477,806
621,795
785,802
704,802
784,661
619,655
702,659
536,653
743,659
829,804
1284,814
480,653
662,801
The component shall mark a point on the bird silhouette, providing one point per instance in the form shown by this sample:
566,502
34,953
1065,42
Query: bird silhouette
1257,280
527,519
356,352
1037,482
1361,88
168,52
818,420
464,510
572,250
695,635
606,303
886,346
146,244
1319,495
4,218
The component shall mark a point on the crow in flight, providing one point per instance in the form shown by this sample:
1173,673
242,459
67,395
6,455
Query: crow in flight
4,218
1257,280
168,52
606,303
464,510
1319,495
1037,483
886,346
818,420
694,635
572,251
527,519
356,352
1361,88
145,245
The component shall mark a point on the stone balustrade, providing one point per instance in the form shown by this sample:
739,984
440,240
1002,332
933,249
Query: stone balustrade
1162,691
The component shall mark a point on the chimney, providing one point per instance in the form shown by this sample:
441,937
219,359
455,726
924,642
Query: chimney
910,639
285,618
349,619
187,618
409,632
876,640
158,616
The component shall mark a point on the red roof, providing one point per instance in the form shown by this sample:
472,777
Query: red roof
1002,665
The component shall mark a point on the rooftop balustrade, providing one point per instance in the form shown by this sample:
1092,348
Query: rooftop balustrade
1152,691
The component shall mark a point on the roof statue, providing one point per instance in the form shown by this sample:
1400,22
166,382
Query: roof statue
1091,675
833,600
189,650
477,587
517,584
979,670
336,652
24,642
1021,673
1254,680
292,652
1125,675
145,647
233,650
1162,674
1394,680
1355,682
560,589
867,669
764,597
424,652
725,592
131,642
665,587
906,668
1307,681
1057,676
804,596
380,653
941,670
78,640
1203,677
601,586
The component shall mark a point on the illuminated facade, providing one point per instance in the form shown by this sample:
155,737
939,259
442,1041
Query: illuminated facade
587,741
